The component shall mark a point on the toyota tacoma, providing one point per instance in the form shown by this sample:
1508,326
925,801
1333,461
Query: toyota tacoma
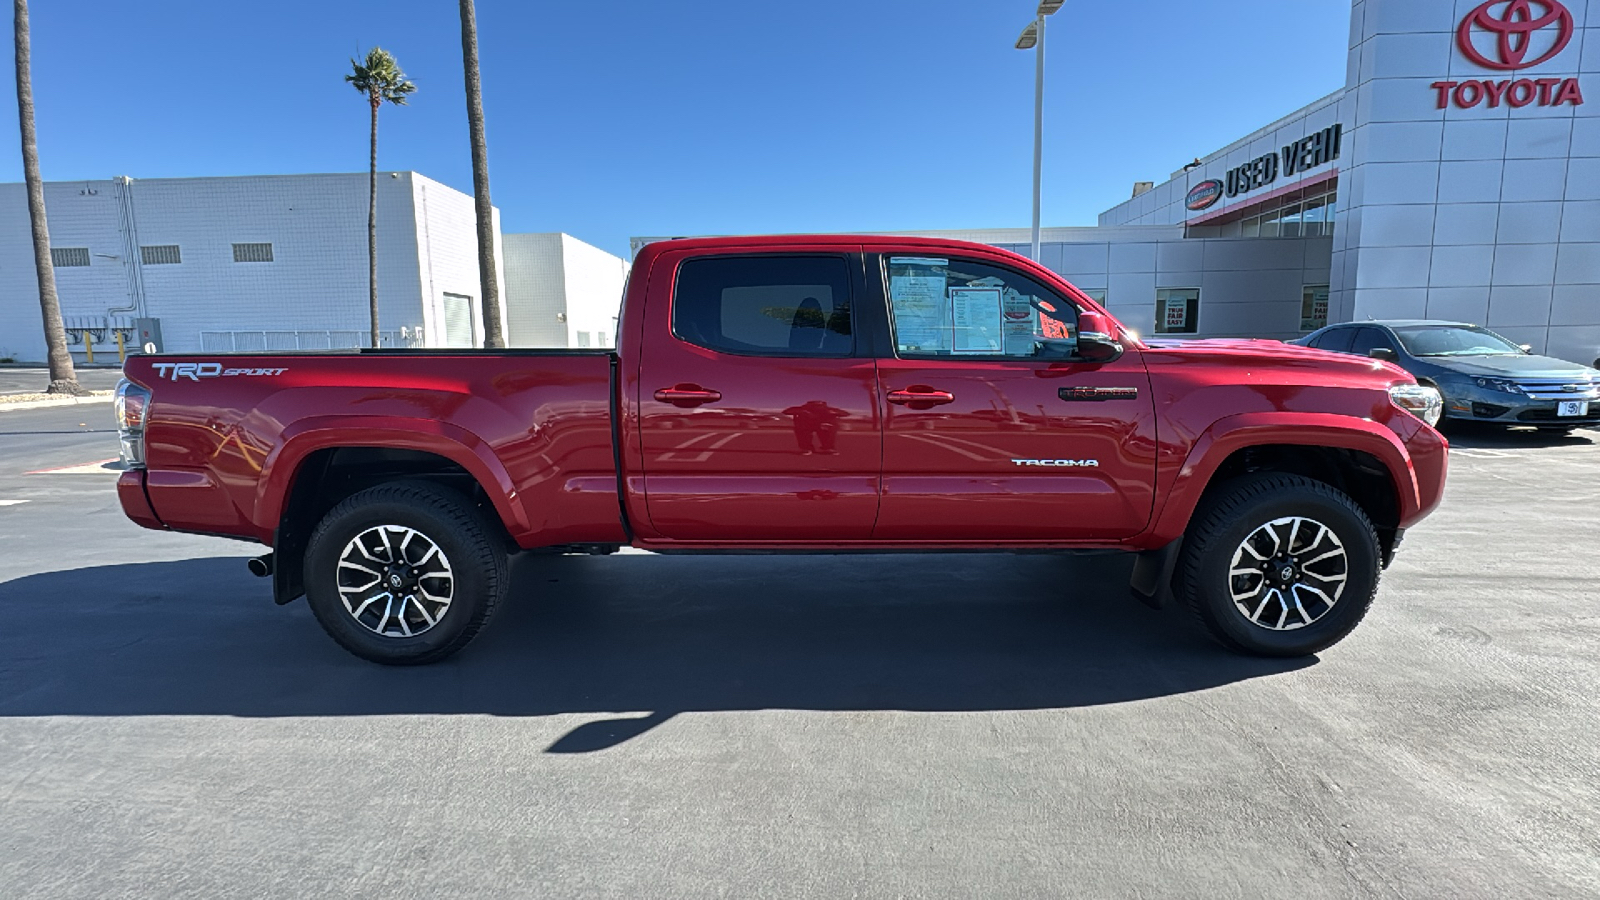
798,394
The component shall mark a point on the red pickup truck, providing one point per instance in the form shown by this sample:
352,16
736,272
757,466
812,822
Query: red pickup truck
798,394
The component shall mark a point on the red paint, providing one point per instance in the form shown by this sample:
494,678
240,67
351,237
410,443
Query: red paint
1516,94
725,451
1514,30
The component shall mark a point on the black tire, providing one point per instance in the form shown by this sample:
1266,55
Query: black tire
471,548
1233,512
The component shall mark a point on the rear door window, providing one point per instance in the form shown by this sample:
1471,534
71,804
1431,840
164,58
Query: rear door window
766,305
1367,339
1337,340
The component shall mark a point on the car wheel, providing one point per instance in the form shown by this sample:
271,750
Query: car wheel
405,573
1279,565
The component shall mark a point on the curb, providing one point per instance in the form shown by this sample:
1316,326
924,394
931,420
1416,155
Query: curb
97,397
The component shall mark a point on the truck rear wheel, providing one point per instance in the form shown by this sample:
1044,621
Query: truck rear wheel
404,573
1279,565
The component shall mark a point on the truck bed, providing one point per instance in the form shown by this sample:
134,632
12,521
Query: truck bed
229,433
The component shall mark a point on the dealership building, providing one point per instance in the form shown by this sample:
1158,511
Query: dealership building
279,262
1456,176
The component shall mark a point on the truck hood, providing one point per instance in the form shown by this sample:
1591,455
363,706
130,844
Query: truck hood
1262,352
1511,366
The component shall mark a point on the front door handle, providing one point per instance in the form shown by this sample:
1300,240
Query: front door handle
920,396
687,396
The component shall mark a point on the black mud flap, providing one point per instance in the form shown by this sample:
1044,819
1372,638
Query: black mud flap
1151,582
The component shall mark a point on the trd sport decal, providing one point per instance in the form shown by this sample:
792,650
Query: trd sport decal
197,371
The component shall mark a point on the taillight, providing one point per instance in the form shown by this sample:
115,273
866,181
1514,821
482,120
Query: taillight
132,404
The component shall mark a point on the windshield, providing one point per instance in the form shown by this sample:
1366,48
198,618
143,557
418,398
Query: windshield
1454,340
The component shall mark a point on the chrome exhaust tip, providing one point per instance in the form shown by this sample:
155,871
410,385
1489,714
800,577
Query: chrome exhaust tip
261,566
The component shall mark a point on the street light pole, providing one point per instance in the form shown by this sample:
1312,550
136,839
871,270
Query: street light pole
1038,132
1033,39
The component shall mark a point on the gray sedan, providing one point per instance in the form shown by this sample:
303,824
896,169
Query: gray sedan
1483,376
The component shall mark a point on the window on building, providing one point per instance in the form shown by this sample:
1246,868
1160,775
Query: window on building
160,255
1098,295
1313,307
63,257
583,339
1296,217
765,305
956,307
1178,311
600,340
251,253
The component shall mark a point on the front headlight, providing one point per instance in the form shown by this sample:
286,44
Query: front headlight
1498,384
1420,400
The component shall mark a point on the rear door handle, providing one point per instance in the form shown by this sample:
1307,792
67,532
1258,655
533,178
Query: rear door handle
920,395
687,396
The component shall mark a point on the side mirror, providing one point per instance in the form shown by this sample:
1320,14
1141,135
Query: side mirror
1097,343
1526,348
1383,353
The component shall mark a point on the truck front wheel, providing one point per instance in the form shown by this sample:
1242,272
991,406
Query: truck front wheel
1279,565
404,573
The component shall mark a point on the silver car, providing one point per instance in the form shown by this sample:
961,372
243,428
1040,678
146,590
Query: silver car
1483,376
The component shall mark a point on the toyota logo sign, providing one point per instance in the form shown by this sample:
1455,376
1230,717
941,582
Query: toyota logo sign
1506,36
1514,31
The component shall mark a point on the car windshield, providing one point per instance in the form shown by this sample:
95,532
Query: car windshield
1454,340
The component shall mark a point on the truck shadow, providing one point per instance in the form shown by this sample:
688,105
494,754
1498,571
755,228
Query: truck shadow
622,634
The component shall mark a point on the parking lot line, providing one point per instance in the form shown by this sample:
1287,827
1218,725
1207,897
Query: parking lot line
11,502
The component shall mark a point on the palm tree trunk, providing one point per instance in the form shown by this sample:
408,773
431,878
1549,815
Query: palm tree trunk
493,332
372,226
63,377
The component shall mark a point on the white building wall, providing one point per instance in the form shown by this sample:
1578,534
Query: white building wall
1489,214
317,280
594,280
447,242
536,300
315,285
81,214
561,292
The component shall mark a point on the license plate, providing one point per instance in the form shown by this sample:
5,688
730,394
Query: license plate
1572,408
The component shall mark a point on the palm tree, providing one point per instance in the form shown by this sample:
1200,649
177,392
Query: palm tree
493,334
380,79
63,377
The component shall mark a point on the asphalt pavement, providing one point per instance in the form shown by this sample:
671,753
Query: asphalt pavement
642,726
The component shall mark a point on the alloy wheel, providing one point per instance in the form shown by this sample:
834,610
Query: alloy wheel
395,581
1288,573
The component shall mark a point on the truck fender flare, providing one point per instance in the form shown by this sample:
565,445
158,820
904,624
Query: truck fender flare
1230,434
444,439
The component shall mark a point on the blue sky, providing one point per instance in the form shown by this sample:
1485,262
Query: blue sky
623,118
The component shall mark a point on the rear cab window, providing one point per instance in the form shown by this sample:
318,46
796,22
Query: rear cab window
765,305
951,307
